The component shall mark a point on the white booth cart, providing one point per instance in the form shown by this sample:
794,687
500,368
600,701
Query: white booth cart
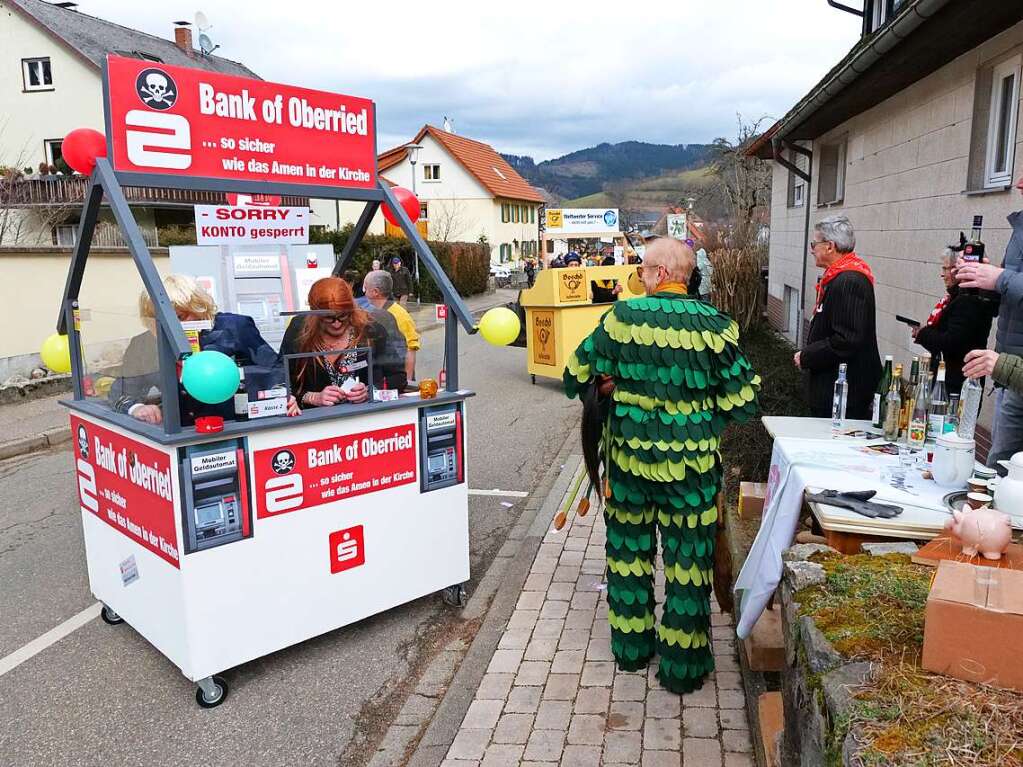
219,548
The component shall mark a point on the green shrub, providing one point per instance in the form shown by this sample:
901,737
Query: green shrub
467,264
746,448
176,235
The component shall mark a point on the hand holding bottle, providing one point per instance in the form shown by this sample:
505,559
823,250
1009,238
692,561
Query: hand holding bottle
980,363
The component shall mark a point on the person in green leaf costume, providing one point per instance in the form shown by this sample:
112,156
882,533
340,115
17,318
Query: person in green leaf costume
674,372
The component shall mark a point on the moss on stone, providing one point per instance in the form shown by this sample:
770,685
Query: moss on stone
872,608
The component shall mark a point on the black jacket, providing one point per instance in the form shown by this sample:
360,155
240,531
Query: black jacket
843,330
401,281
964,325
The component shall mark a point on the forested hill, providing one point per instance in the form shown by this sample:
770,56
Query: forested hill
586,171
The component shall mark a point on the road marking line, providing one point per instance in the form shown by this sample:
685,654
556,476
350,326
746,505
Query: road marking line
54,635
505,493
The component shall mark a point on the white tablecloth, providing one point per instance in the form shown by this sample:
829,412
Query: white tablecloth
806,456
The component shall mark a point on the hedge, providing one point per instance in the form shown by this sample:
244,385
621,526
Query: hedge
467,264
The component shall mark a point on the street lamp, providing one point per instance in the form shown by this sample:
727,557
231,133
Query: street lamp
413,157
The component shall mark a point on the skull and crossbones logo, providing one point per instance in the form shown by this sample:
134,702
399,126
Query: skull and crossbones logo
283,461
83,442
156,89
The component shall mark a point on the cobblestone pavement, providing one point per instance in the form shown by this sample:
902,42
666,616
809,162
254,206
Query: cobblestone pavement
552,694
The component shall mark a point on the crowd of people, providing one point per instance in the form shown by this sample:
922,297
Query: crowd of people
955,334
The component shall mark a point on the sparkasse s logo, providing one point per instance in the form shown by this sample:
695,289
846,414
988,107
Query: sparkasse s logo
347,549
154,137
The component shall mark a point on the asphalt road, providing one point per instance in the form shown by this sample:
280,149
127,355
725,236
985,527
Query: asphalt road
103,695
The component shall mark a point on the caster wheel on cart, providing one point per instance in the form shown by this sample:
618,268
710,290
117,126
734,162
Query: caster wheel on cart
211,692
454,595
109,616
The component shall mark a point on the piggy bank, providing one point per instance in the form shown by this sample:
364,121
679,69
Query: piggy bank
982,530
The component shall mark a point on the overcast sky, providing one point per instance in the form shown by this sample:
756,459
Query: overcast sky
541,79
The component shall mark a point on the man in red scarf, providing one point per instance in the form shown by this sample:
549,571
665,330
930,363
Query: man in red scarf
842,328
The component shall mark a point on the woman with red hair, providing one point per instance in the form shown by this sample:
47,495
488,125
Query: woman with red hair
333,376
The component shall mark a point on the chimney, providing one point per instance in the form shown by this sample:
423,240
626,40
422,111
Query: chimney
183,37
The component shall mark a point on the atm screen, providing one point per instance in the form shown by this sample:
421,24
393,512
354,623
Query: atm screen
210,514
437,462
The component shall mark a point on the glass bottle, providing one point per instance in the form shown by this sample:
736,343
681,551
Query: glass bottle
881,395
974,249
952,417
970,407
838,401
918,420
939,405
908,396
241,397
893,406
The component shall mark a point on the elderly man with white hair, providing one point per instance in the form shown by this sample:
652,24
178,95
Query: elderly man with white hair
842,328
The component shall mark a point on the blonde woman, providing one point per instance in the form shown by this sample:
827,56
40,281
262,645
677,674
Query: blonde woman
137,390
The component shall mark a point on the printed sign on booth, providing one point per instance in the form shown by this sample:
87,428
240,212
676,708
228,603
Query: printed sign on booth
251,225
309,474
544,350
188,121
127,485
572,287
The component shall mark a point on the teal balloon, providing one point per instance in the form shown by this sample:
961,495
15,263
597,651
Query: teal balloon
210,377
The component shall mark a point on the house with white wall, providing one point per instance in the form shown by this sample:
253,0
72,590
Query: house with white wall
468,192
51,58
910,135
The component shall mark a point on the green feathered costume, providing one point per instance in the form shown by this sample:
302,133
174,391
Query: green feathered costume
680,378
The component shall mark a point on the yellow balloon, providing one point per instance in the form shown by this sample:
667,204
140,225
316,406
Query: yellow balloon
499,326
56,353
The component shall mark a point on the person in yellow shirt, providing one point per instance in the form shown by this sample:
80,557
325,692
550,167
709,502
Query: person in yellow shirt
377,287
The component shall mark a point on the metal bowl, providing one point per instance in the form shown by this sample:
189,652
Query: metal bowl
956,500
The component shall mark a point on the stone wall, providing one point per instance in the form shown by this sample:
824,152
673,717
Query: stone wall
817,682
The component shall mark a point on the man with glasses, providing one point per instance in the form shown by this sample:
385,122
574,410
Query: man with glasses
667,370
842,328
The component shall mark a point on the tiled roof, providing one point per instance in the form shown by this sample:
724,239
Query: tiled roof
93,38
481,160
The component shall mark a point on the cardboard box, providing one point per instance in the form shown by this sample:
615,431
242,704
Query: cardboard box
751,498
974,625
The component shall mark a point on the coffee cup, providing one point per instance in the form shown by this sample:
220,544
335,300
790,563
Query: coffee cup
977,500
977,485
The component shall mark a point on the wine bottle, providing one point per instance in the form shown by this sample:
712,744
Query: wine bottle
881,395
908,400
974,249
893,406
838,401
952,418
939,405
241,397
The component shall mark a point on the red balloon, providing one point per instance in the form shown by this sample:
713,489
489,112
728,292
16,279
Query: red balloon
81,147
408,201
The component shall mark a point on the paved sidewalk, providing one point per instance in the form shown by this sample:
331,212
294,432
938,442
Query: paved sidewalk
552,694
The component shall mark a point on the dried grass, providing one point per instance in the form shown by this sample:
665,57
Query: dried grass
871,608
736,285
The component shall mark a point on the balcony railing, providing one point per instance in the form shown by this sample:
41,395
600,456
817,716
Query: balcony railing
48,191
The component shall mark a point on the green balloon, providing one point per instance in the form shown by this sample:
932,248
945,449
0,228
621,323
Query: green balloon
210,377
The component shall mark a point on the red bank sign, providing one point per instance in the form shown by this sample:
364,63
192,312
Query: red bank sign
128,485
307,474
191,122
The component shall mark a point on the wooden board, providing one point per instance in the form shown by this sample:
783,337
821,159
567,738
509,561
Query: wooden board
772,720
765,646
948,547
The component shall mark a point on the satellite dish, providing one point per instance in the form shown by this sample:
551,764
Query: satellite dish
201,21
206,45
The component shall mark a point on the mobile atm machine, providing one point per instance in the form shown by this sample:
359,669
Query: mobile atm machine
223,542
214,496
442,451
